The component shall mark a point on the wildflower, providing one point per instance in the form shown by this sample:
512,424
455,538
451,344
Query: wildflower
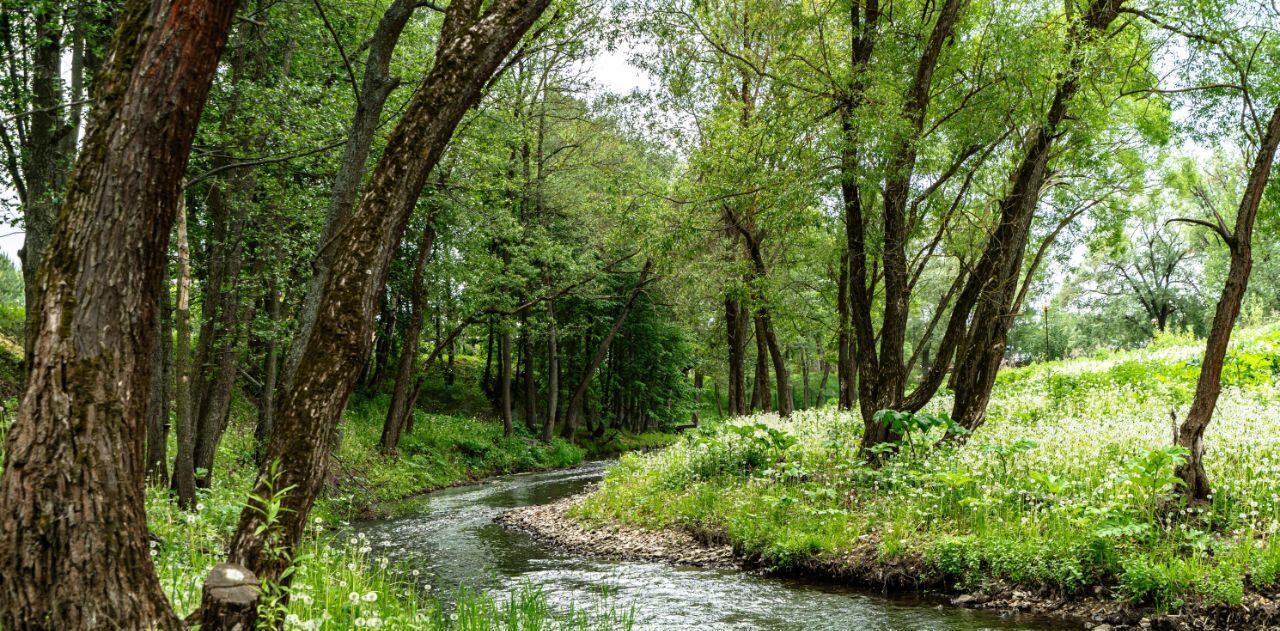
354,597
370,597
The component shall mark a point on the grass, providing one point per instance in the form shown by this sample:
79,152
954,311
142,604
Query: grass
1068,486
336,583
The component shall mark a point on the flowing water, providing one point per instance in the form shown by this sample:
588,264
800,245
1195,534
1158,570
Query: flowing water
451,538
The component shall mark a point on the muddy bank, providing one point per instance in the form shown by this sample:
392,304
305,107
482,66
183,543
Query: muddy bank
864,567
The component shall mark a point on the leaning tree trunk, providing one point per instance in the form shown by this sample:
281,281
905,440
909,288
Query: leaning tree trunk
74,548
376,86
184,467
1000,266
401,405
580,393
786,405
1209,385
329,353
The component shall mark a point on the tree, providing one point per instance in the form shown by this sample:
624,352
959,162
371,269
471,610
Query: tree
329,348
73,541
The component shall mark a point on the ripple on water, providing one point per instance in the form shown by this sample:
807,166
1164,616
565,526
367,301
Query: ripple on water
452,539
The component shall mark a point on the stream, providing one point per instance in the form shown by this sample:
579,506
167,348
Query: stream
450,537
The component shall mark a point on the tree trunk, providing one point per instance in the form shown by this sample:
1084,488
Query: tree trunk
401,407
46,159
1209,384
553,374
822,384
375,87
697,397
74,548
736,335
270,375
471,46
715,392
804,375
786,405
217,353
530,384
158,406
763,397
580,393
504,382
184,477
998,270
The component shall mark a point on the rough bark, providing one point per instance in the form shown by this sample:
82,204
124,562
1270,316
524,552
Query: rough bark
73,540
329,351
376,86
580,392
1209,383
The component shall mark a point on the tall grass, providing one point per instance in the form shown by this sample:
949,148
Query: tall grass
1069,484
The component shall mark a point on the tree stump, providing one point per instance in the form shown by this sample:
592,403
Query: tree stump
231,597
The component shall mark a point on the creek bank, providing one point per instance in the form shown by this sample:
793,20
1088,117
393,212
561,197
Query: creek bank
864,567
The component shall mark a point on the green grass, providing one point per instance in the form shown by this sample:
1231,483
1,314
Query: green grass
1068,486
441,451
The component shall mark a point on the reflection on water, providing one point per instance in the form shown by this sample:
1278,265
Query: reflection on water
451,539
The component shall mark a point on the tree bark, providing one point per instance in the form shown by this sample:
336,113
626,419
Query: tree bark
401,405
580,392
736,335
184,477
553,374
763,397
996,275
504,383
471,46
376,86
158,406
1209,383
73,540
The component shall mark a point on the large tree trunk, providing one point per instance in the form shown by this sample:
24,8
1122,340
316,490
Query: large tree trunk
998,271
401,405
1209,384
580,392
328,353
530,384
74,548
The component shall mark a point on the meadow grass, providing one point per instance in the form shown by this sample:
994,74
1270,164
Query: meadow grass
1068,486
336,583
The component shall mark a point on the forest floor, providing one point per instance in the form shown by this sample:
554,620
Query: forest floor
1060,504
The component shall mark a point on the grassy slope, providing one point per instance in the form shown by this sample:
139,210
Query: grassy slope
1064,489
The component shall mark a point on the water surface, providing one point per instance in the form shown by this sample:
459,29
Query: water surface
451,538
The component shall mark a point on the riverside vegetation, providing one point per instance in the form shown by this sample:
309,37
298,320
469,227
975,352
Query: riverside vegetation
1070,486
